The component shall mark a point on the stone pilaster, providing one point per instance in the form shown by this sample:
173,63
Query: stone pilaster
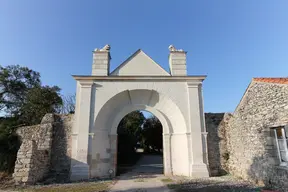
113,154
196,142
80,136
167,154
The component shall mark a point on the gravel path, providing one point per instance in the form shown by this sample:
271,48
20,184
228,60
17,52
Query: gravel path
147,176
212,184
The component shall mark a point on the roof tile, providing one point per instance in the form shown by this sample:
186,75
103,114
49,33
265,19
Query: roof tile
272,80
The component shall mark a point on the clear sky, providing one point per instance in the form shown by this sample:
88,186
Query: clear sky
229,41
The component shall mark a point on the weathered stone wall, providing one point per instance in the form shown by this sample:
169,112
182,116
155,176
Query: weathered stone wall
216,125
252,153
33,157
61,149
45,150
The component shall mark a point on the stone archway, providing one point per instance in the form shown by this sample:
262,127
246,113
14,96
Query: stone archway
103,99
125,102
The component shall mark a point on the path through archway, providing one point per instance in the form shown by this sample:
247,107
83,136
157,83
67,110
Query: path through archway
140,144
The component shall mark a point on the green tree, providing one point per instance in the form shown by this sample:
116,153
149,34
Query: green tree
129,132
9,143
22,101
15,81
38,102
152,134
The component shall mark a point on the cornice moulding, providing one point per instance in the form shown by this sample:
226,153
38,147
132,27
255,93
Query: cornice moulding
196,78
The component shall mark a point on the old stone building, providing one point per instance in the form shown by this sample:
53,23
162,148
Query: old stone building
256,133
251,142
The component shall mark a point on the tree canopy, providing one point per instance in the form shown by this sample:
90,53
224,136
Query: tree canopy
129,131
152,134
23,97
135,129
38,102
23,101
15,81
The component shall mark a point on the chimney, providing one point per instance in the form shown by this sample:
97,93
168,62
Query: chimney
177,61
101,61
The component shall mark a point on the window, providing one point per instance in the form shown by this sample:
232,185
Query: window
281,144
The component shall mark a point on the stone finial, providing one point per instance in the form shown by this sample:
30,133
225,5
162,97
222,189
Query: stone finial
105,48
173,49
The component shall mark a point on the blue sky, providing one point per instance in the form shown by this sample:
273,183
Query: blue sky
229,41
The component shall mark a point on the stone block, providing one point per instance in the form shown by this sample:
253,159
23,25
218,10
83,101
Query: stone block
105,160
48,118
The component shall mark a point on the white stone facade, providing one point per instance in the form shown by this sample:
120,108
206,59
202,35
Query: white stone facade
138,84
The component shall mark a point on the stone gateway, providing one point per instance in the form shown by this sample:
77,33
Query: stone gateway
139,83
250,143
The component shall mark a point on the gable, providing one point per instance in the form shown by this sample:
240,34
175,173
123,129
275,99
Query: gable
262,80
139,64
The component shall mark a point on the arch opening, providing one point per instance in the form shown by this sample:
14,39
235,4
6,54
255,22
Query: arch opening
140,143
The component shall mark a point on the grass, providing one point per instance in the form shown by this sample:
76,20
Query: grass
139,180
79,187
167,180
99,186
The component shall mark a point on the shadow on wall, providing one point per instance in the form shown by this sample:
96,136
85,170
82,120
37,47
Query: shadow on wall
60,149
260,163
265,172
262,168
216,125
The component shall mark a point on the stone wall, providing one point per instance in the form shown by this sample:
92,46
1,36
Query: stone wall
45,150
33,157
252,152
216,125
61,149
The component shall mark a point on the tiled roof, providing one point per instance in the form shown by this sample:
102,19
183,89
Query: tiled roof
272,80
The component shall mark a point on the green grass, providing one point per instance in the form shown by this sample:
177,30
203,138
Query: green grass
101,186
175,187
167,180
139,180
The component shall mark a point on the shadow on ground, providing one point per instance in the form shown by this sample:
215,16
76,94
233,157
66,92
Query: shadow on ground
212,186
147,166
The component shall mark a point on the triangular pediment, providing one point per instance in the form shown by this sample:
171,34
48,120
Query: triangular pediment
139,64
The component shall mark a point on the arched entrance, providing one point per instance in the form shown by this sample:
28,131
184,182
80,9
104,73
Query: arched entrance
102,101
127,101
140,144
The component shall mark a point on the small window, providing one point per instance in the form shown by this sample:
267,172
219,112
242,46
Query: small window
281,144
